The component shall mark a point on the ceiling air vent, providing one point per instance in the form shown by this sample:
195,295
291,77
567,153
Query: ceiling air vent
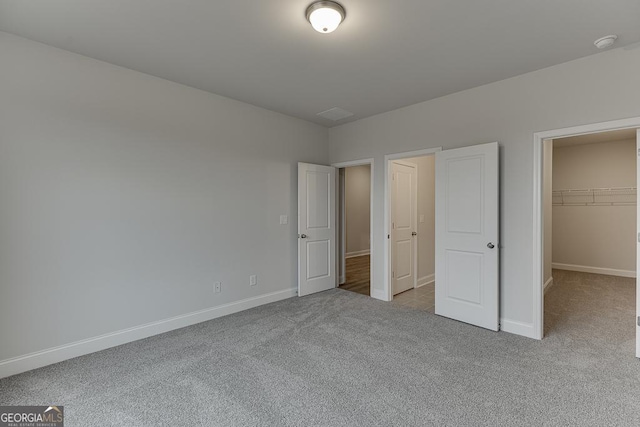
335,114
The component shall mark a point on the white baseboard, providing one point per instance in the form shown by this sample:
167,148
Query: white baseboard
379,294
357,253
46,357
342,280
547,285
518,328
425,280
595,270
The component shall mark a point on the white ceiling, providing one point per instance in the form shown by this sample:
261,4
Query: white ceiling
386,55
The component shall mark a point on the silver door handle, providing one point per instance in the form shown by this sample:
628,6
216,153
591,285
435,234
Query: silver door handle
302,236
490,245
413,233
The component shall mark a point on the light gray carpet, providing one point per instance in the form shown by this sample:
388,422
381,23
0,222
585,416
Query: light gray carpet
338,358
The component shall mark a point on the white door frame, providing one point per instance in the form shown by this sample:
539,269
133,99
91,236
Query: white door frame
387,294
538,205
340,241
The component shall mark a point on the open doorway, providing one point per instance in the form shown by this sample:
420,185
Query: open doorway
588,225
412,231
355,228
354,190
466,231
465,239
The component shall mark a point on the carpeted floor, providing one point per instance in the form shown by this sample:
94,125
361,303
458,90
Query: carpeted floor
339,358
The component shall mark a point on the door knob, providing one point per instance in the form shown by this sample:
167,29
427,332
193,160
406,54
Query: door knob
490,245
303,236
413,233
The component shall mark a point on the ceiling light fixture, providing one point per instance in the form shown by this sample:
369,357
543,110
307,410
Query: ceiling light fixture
325,16
605,42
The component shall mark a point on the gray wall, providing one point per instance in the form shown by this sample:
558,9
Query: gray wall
510,112
357,208
595,236
123,197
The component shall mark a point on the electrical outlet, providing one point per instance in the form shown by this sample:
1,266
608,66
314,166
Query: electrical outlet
217,287
253,280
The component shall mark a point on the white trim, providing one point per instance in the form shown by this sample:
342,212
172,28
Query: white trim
369,161
547,285
379,294
519,328
415,153
425,280
630,123
537,299
538,215
406,163
46,357
342,165
357,253
594,270
386,286
342,184
637,247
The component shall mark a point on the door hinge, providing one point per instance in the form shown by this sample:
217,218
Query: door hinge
393,274
638,320
638,237
388,236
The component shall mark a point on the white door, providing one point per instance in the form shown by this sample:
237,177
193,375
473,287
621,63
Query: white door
404,196
316,228
467,252
638,247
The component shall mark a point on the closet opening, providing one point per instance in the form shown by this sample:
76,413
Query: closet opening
589,241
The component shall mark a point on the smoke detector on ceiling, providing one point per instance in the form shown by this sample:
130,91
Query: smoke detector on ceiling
605,42
335,114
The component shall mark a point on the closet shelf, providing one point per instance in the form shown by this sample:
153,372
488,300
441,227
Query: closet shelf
595,197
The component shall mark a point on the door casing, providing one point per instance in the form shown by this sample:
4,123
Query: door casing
387,291
536,328
340,254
